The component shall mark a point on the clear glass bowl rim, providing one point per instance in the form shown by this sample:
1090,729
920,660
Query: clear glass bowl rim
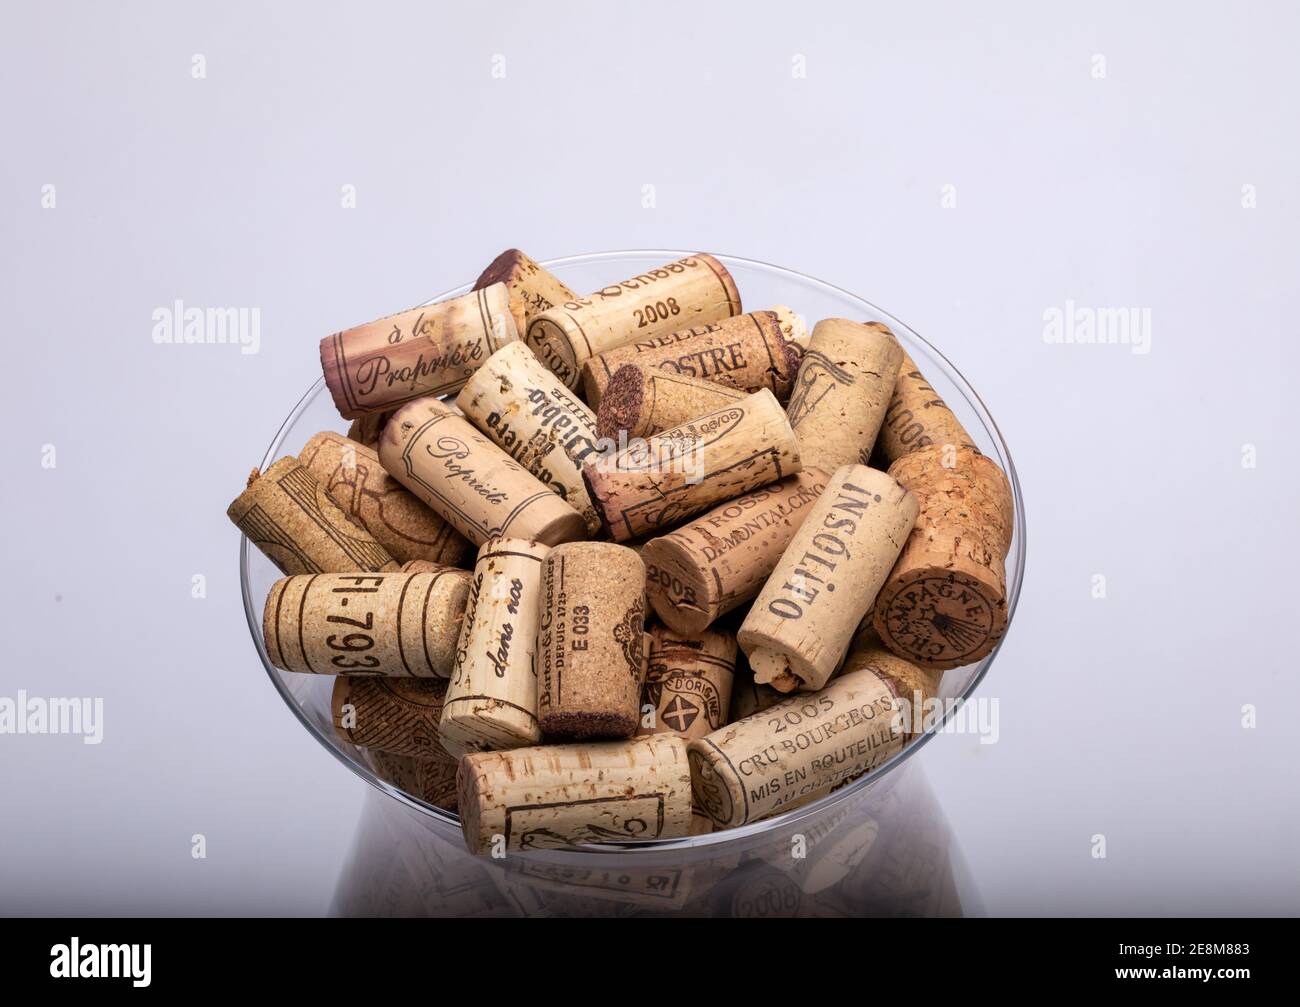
1015,569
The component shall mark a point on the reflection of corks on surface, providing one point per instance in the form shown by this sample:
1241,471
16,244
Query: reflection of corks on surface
747,352
944,604
656,483
528,412
843,388
492,700
396,715
693,291
469,481
431,780
428,350
368,429
719,561
559,795
639,402
286,513
532,288
397,624
356,481
803,620
745,772
688,681
591,648
917,417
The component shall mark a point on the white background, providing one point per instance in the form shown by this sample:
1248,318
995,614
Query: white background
1120,716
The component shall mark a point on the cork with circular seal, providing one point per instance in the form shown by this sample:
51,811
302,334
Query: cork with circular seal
692,291
688,682
492,699
845,381
944,603
800,626
591,647
429,350
355,480
714,564
528,412
917,418
641,402
394,624
747,352
434,452
396,715
532,288
656,483
287,514
430,780
563,795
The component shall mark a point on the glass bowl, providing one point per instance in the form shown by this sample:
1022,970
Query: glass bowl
538,882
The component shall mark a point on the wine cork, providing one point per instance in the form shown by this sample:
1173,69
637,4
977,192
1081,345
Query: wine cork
721,560
749,697
803,620
532,289
656,483
356,481
561,795
397,715
591,647
396,624
695,290
640,402
492,700
747,352
527,412
844,385
424,566
425,351
801,748
368,429
917,417
761,349
945,604
469,481
430,780
287,514
688,681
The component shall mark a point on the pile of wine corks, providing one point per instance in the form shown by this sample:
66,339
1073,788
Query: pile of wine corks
632,564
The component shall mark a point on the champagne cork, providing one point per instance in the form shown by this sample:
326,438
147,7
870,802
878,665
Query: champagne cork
469,481
396,624
396,715
532,289
688,681
945,602
917,417
747,352
591,647
803,620
527,412
844,385
367,429
721,560
656,483
424,351
356,481
287,514
430,780
695,290
561,795
640,402
492,700
801,748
